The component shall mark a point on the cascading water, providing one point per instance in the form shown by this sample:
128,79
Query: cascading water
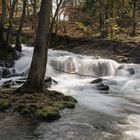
113,116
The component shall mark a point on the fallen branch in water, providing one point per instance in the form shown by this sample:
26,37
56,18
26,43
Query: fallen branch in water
76,73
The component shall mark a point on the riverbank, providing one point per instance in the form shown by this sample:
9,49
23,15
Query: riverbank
43,106
121,51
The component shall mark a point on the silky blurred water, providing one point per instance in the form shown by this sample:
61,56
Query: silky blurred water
98,116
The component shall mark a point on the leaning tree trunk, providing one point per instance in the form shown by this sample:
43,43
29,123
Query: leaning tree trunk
38,66
18,42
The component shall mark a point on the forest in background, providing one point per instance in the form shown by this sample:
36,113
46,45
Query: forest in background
106,19
45,24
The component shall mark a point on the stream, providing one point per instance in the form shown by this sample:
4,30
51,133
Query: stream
99,114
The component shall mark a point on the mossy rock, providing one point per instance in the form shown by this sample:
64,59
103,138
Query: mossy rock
48,114
70,104
69,98
59,105
54,93
53,113
41,114
23,109
120,59
4,105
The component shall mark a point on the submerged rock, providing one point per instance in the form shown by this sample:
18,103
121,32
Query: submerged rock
102,87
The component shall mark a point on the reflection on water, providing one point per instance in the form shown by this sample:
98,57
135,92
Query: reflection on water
98,116
15,127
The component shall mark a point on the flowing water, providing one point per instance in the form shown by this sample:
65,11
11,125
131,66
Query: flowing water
99,115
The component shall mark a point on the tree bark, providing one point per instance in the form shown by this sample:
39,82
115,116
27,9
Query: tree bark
3,18
11,20
38,66
134,19
18,42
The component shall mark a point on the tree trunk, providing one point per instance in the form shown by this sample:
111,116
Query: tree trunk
38,66
11,20
3,18
35,15
18,42
134,19
101,18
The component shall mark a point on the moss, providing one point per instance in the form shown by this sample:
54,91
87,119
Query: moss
23,109
121,59
69,98
49,113
4,105
59,104
54,93
42,106
41,114
70,104
53,113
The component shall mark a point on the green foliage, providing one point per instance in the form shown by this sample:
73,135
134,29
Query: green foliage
115,32
80,26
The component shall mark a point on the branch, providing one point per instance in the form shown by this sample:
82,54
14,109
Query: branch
52,23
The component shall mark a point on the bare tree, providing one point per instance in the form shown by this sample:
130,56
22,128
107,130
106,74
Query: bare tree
38,66
18,42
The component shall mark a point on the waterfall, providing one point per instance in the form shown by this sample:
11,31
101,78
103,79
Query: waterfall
84,65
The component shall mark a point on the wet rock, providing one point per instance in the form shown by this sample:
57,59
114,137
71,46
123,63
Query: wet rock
49,81
5,73
131,71
70,98
8,84
102,87
70,104
96,81
7,64
2,64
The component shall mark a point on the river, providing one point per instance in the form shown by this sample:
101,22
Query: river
99,115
